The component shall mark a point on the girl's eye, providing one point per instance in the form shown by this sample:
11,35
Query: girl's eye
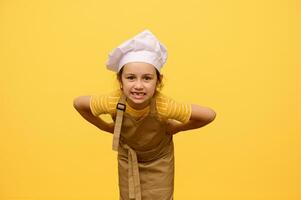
130,77
148,78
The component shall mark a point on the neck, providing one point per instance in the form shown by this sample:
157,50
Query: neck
138,106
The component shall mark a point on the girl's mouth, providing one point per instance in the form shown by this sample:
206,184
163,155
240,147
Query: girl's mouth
138,95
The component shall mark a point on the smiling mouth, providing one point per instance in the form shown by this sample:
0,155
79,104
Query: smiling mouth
138,95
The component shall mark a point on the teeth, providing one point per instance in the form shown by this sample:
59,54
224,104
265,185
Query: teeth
138,93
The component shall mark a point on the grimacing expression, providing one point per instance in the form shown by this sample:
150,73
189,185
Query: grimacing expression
139,82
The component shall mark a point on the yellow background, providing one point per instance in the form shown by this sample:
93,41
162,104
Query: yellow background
241,58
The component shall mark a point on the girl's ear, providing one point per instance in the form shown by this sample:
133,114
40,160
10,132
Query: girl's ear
159,84
161,77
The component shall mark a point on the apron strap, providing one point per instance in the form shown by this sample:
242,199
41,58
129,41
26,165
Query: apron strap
133,174
118,122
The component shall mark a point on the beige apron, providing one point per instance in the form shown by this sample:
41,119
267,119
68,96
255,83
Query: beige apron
145,157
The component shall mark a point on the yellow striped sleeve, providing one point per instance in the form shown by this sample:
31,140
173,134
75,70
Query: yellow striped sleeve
171,109
104,104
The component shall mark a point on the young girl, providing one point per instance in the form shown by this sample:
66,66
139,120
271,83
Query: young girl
145,120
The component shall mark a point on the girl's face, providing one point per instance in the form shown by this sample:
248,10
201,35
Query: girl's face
138,82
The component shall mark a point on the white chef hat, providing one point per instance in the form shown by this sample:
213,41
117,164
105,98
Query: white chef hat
144,47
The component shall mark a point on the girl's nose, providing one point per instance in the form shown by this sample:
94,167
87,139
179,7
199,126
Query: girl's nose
138,84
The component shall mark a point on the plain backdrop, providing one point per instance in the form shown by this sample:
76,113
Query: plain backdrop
241,58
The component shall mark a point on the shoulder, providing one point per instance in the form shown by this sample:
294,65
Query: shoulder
169,108
163,100
104,103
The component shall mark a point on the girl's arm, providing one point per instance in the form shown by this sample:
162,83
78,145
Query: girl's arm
82,105
200,116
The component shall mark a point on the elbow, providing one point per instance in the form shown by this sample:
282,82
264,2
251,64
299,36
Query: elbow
81,103
76,103
211,116
203,115
208,117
